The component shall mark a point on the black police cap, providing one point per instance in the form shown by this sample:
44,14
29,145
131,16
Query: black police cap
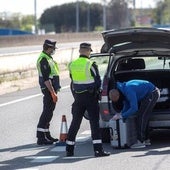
50,43
86,45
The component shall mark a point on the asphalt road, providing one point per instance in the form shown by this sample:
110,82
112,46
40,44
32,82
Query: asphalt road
19,114
6,51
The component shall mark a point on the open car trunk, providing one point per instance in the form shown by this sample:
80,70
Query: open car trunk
114,38
137,53
159,77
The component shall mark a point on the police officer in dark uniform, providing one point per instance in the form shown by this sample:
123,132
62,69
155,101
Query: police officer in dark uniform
86,84
49,82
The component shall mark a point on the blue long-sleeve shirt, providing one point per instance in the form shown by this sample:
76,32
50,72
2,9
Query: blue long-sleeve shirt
134,91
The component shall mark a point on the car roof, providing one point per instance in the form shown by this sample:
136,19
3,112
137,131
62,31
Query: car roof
135,37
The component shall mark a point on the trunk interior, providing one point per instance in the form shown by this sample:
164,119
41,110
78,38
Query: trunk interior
161,78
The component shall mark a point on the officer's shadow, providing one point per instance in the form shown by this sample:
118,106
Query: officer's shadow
44,155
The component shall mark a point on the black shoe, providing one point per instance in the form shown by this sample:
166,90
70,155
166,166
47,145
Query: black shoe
69,153
52,139
44,142
49,137
101,153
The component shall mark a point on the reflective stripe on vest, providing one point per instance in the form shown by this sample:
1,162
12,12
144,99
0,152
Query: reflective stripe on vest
77,68
53,65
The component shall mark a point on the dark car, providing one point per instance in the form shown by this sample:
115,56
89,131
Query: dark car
135,53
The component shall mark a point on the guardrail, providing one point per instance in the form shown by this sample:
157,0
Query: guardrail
13,41
27,60
19,65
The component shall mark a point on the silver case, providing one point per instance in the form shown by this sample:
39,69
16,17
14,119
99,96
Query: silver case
123,133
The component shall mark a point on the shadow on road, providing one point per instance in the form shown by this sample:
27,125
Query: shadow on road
44,155
31,155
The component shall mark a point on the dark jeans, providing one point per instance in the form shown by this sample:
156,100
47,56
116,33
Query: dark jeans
144,114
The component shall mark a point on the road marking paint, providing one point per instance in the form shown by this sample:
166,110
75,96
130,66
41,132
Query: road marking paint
28,169
42,158
83,138
86,132
78,157
26,98
19,100
59,149
45,159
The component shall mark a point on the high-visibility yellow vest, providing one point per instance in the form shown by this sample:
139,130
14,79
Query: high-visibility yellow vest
53,65
80,71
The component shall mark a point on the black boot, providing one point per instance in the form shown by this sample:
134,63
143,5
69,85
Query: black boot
69,150
49,137
101,153
98,150
42,140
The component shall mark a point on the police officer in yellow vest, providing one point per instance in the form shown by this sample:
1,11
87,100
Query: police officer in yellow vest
85,85
49,83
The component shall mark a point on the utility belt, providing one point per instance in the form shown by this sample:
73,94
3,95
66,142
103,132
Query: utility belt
92,91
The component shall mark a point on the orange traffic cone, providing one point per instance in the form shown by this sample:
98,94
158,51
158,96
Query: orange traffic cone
63,131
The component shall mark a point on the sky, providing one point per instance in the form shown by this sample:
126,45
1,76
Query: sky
27,6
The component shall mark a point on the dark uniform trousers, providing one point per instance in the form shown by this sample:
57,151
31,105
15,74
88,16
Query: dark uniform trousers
47,114
85,101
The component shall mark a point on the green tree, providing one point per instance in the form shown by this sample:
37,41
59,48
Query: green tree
96,16
63,18
18,21
27,22
118,14
11,22
161,14
166,12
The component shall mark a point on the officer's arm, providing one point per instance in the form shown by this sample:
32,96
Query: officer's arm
95,74
45,69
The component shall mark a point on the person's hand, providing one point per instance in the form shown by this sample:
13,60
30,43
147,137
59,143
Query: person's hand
54,97
117,116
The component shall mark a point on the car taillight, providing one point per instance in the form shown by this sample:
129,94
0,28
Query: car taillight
104,92
105,112
104,87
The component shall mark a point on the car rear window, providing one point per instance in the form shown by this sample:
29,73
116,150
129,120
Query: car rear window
144,63
157,63
102,63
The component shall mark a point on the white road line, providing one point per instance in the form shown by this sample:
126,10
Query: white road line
59,149
86,132
28,169
83,138
45,159
42,158
48,159
77,157
26,98
19,100
86,137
